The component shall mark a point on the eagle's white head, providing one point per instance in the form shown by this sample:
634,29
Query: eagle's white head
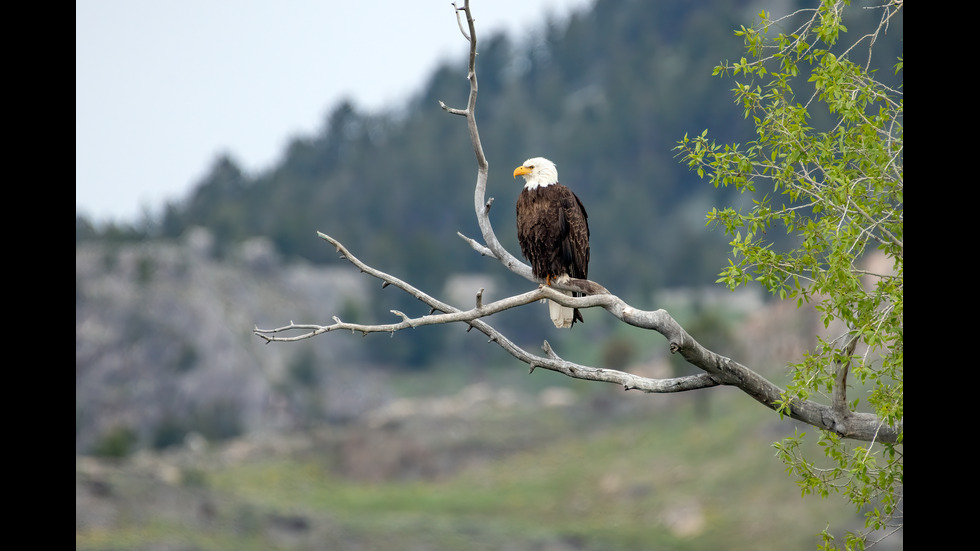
537,172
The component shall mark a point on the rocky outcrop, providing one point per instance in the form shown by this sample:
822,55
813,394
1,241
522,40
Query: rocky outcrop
164,343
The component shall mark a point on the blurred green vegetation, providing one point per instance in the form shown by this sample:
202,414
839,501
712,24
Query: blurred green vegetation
662,478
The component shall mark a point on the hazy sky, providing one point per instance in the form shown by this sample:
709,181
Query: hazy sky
162,88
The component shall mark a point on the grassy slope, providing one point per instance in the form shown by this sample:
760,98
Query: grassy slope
646,478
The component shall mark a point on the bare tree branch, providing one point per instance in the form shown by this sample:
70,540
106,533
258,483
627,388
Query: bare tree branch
718,370
473,317
481,206
459,21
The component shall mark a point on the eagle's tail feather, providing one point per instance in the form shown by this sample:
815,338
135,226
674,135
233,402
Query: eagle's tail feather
563,316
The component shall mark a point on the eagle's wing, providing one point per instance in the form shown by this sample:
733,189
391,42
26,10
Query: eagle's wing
574,230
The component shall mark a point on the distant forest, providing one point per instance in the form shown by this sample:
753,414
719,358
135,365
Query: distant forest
605,93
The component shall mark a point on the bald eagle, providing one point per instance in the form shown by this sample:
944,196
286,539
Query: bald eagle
553,230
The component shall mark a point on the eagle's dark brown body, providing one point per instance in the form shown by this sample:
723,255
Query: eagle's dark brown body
553,230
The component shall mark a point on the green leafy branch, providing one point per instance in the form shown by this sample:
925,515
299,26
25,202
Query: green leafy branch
826,169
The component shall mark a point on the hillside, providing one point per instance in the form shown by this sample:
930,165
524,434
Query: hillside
164,344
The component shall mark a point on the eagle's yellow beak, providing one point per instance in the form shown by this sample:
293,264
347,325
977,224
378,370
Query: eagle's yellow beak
521,170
